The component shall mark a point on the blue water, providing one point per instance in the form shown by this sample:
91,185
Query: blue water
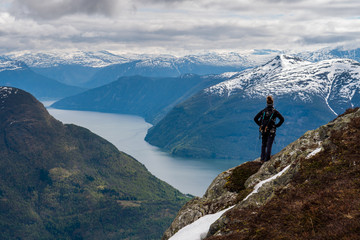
127,133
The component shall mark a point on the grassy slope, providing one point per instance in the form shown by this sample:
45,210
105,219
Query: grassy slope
64,182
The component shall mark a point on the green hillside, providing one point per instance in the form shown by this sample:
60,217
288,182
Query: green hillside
64,182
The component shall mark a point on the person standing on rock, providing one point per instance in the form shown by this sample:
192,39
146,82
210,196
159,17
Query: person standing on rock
266,120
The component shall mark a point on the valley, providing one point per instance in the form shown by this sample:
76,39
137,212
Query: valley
127,133
179,125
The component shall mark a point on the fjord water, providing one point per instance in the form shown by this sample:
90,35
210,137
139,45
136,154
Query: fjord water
127,133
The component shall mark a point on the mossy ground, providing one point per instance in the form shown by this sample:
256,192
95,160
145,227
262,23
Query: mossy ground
236,181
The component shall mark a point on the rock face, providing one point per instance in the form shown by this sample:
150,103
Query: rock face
309,190
220,195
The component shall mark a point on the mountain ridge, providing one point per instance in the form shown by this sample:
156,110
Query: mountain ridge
62,181
285,67
94,69
306,191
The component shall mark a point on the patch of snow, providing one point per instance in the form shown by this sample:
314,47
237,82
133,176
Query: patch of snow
257,186
9,65
198,229
5,92
313,153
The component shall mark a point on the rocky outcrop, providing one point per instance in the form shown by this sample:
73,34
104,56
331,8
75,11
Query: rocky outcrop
216,198
221,194
318,154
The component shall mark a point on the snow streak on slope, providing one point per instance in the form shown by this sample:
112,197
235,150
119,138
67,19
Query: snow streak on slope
259,185
287,75
199,229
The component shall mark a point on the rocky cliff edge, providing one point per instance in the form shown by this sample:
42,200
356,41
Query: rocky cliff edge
309,190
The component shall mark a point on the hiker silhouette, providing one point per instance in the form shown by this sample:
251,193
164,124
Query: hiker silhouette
266,120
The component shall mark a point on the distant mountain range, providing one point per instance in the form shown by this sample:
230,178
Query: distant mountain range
61,181
93,69
218,121
18,74
149,97
331,53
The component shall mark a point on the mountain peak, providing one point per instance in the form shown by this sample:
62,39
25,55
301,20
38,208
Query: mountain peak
17,105
284,62
286,75
6,91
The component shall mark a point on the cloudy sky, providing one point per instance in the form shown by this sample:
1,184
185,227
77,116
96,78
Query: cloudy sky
177,26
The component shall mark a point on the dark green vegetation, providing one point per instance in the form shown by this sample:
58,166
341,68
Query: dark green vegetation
38,85
63,182
238,177
148,97
321,202
211,126
236,181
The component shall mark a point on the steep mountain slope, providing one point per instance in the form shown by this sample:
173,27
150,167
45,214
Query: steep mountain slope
218,122
63,182
309,190
150,98
17,74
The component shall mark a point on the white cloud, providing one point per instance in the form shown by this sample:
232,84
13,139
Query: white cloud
52,9
177,25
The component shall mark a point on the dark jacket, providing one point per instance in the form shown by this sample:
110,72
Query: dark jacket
272,124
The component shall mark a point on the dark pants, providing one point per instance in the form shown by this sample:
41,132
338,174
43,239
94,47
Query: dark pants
267,142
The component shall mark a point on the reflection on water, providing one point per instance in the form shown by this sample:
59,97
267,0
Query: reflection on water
127,133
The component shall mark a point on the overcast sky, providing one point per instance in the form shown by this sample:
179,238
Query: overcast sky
177,26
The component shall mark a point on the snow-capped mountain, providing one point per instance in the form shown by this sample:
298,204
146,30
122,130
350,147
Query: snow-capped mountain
219,119
331,53
93,69
105,58
56,58
8,64
335,80
171,66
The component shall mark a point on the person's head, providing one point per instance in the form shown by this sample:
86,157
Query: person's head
269,100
